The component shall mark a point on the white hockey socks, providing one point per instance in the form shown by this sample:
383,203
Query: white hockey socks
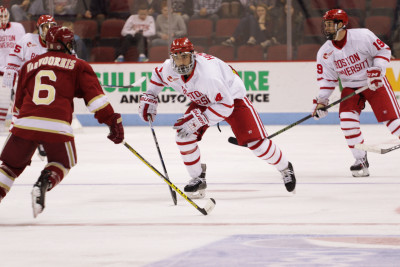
350,125
190,154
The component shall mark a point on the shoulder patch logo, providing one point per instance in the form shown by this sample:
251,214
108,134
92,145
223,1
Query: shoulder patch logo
326,55
218,97
170,79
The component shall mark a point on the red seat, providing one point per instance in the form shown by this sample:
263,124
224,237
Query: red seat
319,7
200,31
102,54
312,30
110,32
353,7
226,53
307,51
225,29
380,8
380,25
29,25
86,29
354,22
158,53
250,53
132,54
277,52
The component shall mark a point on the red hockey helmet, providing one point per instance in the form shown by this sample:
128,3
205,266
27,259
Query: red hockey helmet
336,15
181,45
44,19
4,17
58,38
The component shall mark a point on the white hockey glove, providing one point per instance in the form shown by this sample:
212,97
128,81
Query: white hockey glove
317,111
190,123
374,79
148,106
9,77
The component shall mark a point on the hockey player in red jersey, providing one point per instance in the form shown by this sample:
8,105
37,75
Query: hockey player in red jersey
358,58
217,93
44,107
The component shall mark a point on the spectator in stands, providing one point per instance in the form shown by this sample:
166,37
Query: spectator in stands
118,9
80,47
25,9
137,31
83,9
153,6
65,8
230,8
207,9
297,24
183,8
163,24
98,9
254,29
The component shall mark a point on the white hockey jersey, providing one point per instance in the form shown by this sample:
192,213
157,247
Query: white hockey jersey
134,24
362,50
27,48
8,38
212,83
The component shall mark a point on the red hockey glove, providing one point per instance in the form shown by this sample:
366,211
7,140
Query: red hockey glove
116,129
317,112
190,123
148,106
374,79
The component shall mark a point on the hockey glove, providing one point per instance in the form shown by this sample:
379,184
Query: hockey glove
148,106
374,79
190,123
318,111
116,129
9,77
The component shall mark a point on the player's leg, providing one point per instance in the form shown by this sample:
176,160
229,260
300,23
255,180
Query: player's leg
15,156
385,106
349,113
249,129
61,158
190,153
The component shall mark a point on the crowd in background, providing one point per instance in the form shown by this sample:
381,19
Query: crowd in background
258,26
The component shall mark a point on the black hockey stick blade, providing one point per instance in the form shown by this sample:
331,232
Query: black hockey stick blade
234,141
210,203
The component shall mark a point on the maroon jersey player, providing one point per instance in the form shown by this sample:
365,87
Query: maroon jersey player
43,109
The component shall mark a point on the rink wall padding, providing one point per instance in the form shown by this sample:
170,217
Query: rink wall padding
282,92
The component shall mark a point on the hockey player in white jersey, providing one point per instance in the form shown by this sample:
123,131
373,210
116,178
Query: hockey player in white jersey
10,34
30,46
217,93
358,58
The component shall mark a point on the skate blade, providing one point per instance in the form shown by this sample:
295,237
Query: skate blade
197,195
36,207
361,173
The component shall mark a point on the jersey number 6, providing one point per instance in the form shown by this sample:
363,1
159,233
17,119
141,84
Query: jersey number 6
39,86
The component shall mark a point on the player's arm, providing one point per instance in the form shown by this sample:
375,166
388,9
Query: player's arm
381,54
14,62
98,103
148,101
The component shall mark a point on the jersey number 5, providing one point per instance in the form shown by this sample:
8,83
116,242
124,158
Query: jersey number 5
39,86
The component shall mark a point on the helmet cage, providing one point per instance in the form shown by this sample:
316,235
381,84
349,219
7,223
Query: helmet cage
183,69
44,19
4,17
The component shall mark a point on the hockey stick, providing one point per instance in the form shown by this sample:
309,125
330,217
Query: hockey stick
210,203
234,141
136,83
376,149
173,193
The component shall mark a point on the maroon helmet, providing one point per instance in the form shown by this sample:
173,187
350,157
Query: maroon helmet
335,15
180,47
58,38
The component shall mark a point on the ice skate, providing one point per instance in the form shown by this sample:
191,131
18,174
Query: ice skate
39,192
41,153
289,179
360,167
196,188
